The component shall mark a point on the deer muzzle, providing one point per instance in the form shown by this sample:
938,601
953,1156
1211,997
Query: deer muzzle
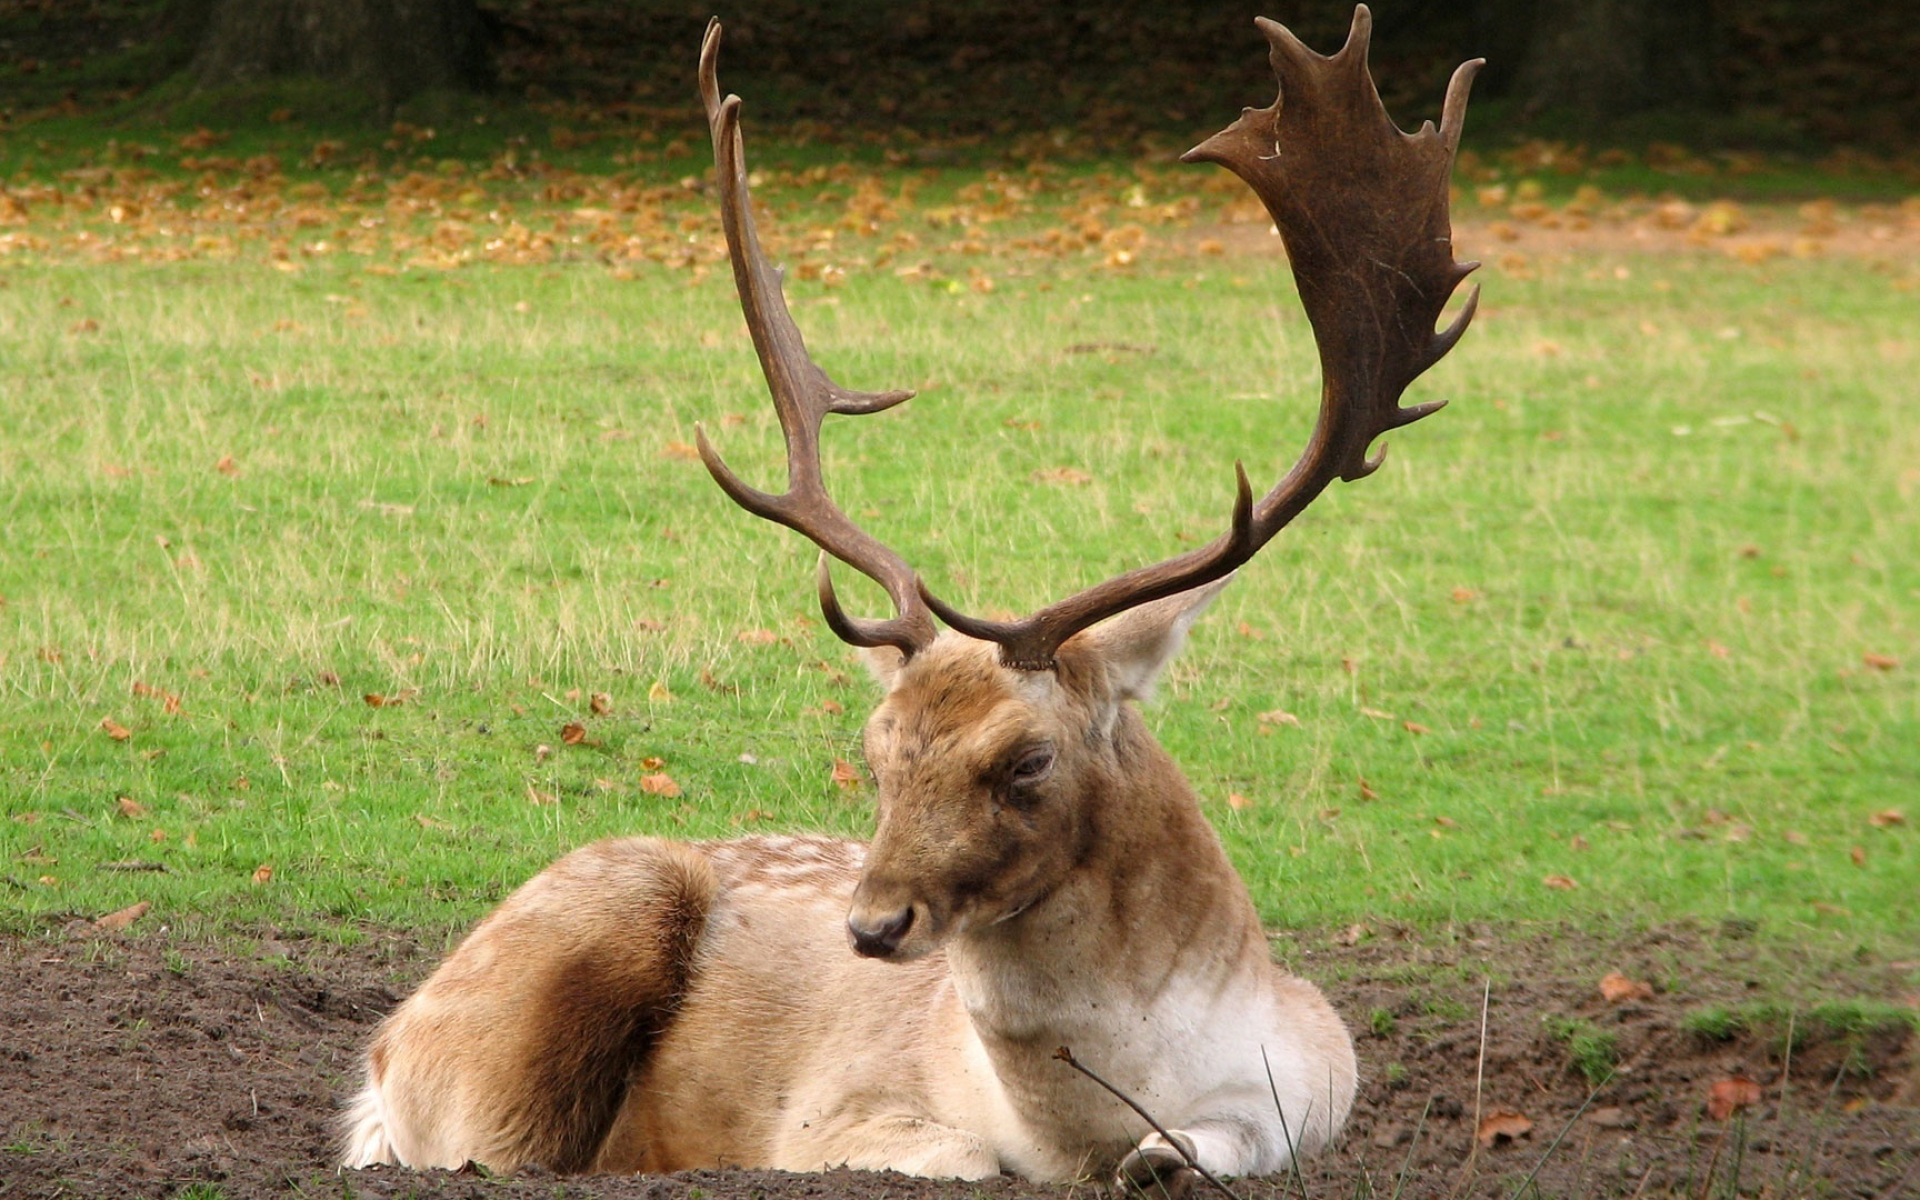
879,935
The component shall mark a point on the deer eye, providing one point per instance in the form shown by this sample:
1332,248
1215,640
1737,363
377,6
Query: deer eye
1033,766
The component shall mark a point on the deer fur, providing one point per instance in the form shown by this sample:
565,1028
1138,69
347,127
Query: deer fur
646,1005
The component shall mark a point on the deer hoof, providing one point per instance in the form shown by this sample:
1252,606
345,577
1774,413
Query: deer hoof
1157,1170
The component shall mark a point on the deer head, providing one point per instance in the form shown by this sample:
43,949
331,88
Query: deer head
1005,751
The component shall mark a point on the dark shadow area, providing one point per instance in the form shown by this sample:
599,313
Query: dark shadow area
1762,74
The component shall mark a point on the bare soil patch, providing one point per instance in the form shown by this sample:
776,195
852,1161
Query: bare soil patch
154,1066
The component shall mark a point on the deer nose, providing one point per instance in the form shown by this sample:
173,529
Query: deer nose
880,937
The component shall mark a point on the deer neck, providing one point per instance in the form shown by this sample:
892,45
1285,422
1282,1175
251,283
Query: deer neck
1152,910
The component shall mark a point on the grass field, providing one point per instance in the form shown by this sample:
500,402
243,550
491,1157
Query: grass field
356,564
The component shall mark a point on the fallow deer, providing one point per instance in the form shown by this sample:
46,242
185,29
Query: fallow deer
1040,875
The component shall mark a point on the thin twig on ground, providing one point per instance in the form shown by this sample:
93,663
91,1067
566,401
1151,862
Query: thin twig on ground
1713,1165
1065,1055
1479,1083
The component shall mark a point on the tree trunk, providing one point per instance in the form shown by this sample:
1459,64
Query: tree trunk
1602,58
392,48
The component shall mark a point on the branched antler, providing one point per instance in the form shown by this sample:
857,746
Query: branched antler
802,395
1362,208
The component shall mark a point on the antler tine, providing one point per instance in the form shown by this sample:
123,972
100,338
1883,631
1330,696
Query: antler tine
1362,209
803,395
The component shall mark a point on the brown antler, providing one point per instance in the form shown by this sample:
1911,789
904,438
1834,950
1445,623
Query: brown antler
1362,208
803,395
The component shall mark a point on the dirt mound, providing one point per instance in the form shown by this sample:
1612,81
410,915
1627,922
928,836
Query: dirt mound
140,1067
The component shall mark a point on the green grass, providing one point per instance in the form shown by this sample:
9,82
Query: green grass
1604,621
1591,1051
1381,1022
1849,1021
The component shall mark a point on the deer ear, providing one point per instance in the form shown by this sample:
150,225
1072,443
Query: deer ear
883,663
1138,644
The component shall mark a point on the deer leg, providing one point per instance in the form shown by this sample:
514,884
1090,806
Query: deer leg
1158,1168
1224,1144
909,1145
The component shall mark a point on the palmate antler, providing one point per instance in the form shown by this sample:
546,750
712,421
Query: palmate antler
1362,208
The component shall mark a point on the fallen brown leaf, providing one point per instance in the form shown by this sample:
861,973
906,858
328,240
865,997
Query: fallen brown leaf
168,701
1560,883
652,762
1502,1125
1278,716
1237,802
129,807
114,922
539,797
262,874
846,775
1880,662
573,733
1729,1096
600,704
1618,989
1069,476
757,637
115,729
1887,818
659,784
